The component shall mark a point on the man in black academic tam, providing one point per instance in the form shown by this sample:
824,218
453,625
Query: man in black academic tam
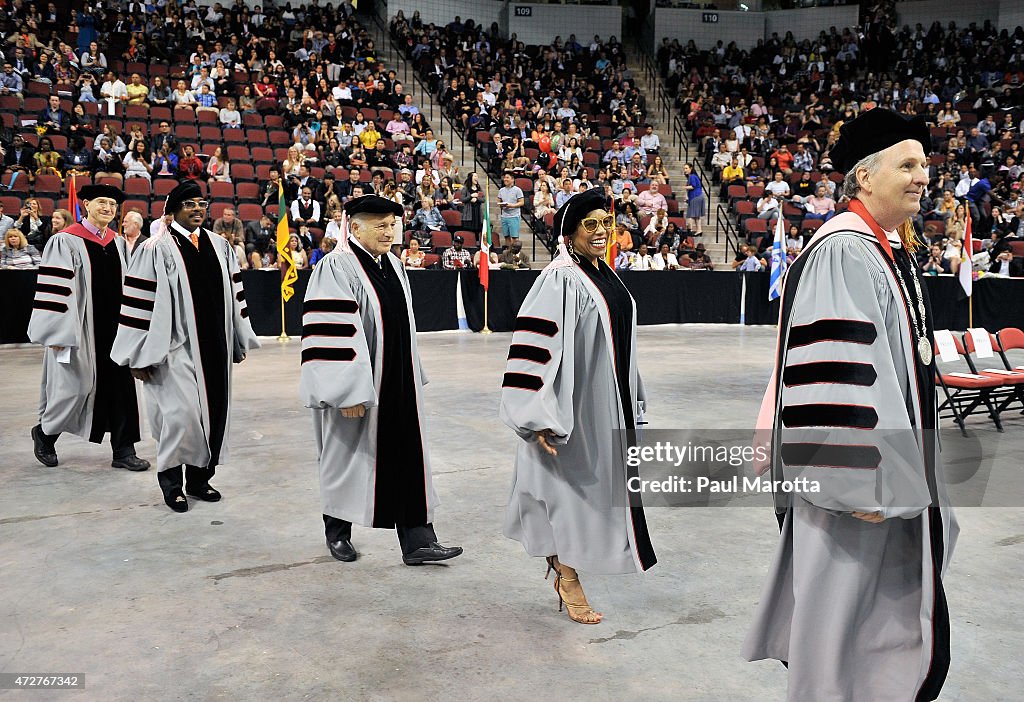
361,373
855,601
93,191
874,131
372,204
189,190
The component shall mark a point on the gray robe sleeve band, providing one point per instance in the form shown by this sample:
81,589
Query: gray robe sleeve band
55,318
337,370
537,389
843,422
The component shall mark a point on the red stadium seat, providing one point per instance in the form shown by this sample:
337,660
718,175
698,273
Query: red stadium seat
234,136
217,209
245,191
163,187
452,218
242,172
156,208
185,115
206,117
257,137
262,154
210,135
249,213
48,185
137,186
46,206
157,113
238,153
224,192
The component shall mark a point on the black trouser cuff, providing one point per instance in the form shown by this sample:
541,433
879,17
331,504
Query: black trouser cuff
336,529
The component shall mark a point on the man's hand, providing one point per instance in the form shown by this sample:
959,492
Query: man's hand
143,374
58,349
871,517
354,412
546,441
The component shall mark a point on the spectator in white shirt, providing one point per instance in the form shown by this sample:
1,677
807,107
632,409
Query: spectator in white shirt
305,210
643,261
113,88
664,260
768,206
650,142
779,187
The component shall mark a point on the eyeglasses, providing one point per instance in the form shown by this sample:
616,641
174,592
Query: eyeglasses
195,204
591,224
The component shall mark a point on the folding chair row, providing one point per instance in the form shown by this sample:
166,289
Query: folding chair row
995,388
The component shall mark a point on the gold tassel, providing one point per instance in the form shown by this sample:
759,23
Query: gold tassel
908,235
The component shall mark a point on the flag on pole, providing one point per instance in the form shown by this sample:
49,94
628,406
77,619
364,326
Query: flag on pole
779,263
966,272
73,206
484,270
284,257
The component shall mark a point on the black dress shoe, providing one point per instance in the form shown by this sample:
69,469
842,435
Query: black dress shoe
133,463
343,550
203,492
433,552
43,451
175,499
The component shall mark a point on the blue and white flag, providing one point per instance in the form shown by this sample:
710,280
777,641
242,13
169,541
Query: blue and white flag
778,261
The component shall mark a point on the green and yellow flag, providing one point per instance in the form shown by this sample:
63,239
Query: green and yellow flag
284,255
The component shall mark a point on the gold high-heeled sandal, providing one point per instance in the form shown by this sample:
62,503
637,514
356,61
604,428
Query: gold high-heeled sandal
576,610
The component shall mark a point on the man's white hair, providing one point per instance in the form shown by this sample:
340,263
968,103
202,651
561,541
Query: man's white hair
871,163
135,216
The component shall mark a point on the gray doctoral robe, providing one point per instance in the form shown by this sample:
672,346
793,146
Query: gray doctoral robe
574,504
344,370
856,609
59,319
158,299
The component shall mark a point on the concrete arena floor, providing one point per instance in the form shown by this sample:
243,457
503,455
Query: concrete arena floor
240,600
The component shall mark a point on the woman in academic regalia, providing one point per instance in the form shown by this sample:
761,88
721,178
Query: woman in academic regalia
572,392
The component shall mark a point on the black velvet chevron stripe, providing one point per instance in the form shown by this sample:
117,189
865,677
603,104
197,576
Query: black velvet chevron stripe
325,329
135,322
236,277
343,306
524,381
850,330
323,353
244,312
831,456
137,303
56,272
526,352
240,296
841,372
61,290
536,325
140,283
830,415
49,305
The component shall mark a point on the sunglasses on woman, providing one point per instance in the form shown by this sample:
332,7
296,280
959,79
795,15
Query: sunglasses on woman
591,224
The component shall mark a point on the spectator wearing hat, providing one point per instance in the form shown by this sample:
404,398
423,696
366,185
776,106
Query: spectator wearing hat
75,316
184,284
456,257
358,397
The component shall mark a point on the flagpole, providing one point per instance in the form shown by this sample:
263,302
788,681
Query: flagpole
283,338
485,260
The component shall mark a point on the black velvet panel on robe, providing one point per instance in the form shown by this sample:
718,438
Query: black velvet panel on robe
115,407
205,278
400,489
620,314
